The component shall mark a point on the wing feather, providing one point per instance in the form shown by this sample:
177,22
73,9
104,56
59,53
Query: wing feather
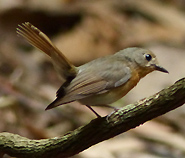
90,82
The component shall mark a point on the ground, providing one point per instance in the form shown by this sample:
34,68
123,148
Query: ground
84,30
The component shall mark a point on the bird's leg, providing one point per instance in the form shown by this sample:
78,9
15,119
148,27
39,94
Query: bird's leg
102,105
108,106
93,111
115,110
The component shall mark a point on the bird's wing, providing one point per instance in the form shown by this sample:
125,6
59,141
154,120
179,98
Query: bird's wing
93,82
39,40
89,83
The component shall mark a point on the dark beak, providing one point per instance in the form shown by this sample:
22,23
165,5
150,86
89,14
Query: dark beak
160,68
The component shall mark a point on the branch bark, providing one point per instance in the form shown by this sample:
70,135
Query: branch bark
97,130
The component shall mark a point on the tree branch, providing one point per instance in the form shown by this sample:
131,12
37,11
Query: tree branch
97,130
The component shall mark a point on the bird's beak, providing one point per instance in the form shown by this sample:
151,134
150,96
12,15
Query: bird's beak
160,68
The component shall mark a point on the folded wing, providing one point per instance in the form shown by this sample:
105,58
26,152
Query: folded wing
93,81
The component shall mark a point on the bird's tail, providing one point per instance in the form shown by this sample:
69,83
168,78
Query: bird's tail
39,40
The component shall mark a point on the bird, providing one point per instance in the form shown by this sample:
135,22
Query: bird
99,82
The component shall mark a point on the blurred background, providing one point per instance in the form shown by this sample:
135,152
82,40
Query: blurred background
84,30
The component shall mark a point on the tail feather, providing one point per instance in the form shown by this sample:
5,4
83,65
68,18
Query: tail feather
39,40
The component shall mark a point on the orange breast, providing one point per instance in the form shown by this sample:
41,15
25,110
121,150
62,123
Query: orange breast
112,95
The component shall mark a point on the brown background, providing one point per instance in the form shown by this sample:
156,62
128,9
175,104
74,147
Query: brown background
84,30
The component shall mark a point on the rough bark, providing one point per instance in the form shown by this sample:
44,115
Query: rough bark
97,130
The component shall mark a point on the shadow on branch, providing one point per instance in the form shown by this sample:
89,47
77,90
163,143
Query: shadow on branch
97,130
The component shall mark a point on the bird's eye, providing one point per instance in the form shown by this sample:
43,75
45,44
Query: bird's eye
148,57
